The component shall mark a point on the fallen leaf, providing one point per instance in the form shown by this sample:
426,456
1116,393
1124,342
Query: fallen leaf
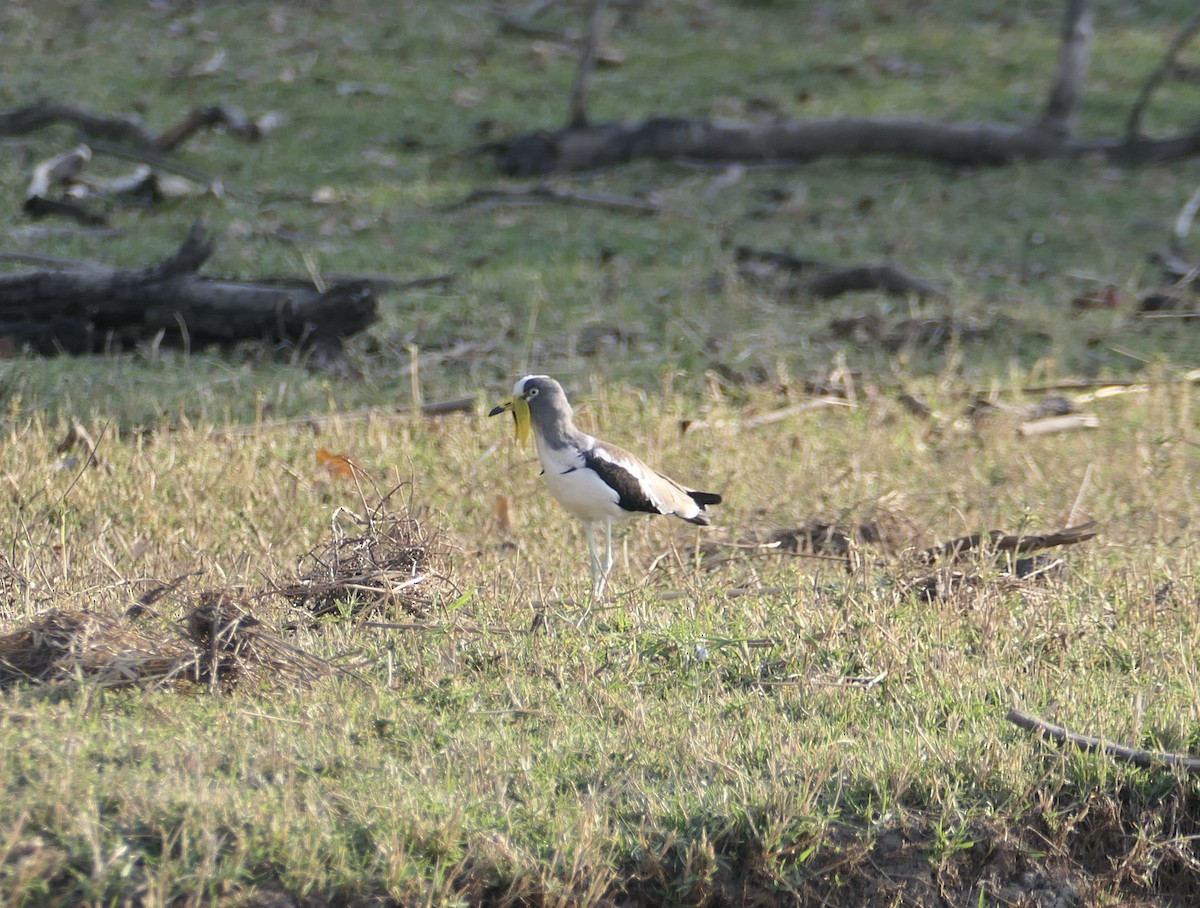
339,465
1104,298
503,515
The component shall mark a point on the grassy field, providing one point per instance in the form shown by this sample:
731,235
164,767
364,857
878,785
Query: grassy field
740,724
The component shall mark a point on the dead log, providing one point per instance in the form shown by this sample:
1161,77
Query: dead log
93,308
582,146
792,141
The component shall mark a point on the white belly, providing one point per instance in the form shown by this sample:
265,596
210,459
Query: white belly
584,494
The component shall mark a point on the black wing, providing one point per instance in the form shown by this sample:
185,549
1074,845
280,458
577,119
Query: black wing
631,493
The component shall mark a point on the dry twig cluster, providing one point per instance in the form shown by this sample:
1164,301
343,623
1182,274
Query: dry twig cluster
224,635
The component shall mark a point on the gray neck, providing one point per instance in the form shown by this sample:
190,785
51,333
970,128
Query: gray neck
555,426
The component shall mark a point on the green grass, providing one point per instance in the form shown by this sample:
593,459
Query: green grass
707,738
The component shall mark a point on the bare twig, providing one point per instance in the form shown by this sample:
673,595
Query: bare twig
583,72
1147,759
1133,127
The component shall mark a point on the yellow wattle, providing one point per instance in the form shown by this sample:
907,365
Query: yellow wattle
520,411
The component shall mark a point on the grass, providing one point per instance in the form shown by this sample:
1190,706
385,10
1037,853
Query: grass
771,728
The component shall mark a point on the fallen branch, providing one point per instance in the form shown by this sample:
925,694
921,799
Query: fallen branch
129,131
779,141
885,278
544,194
1147,759
1166,67
826,281
60,170
582,147
88,309
1017,544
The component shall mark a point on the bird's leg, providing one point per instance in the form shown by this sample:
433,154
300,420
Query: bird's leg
608,555
597,572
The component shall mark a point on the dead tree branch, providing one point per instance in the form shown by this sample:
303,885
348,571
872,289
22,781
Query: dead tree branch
1164,70
1147,759
826,281
997,542
884,277
40,114
1062,106
545,195
587,63
581,146
88,309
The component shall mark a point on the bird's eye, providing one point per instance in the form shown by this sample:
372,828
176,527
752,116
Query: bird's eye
532,392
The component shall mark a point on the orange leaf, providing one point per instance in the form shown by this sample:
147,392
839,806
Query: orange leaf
338,465
503,515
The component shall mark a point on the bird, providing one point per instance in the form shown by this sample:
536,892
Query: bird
595,481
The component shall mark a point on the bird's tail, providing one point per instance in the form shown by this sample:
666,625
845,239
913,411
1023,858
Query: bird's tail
703,499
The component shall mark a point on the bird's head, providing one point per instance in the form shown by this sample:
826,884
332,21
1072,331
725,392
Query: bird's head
525,394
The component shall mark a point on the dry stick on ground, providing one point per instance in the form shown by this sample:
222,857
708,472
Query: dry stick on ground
161,162
83,310
998,542
884,277
1147,759
544,195
60,170
58,186
829,281
963,144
